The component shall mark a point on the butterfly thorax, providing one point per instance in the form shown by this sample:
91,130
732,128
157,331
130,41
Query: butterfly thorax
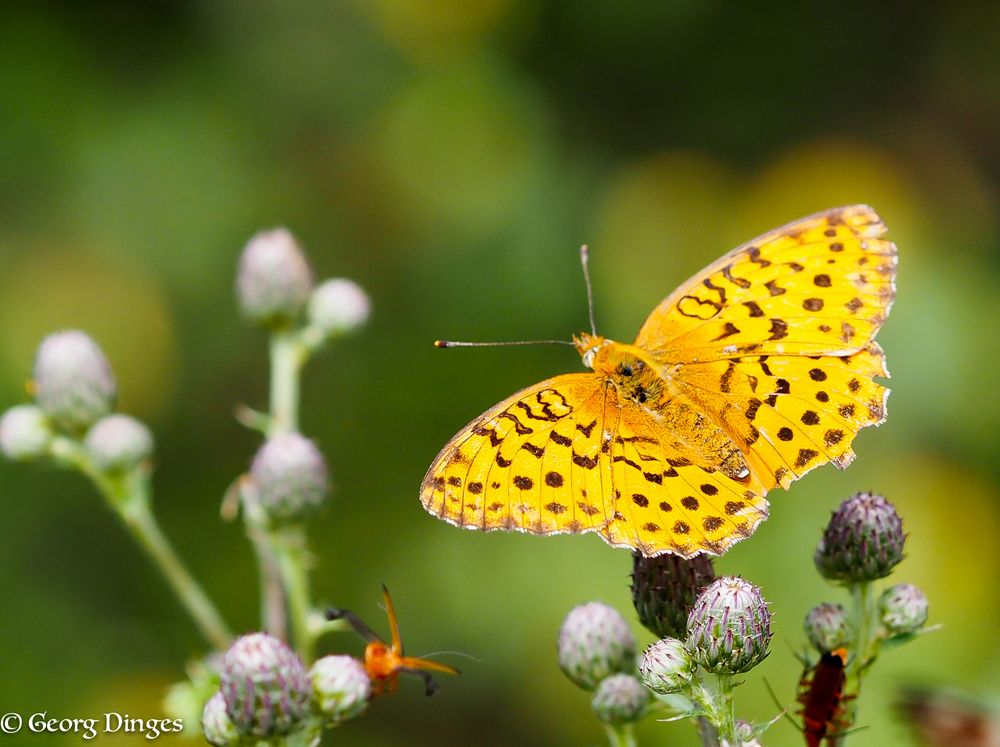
647,383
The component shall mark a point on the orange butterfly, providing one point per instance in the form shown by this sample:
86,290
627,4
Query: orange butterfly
753,372
385,662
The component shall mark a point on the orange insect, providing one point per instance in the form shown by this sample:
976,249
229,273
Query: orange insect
821,694
385,662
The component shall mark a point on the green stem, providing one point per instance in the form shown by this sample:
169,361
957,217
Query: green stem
129,496
621,736
725,711
289,547
287,356
866,644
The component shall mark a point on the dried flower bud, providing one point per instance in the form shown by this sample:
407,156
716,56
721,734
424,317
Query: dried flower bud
863,541
274,279
664,589
666,666
73,381
620,699
594,642
341,687
729,627
828,627
118,443
216,725
24,433
339,306
903,609
290,477
265,686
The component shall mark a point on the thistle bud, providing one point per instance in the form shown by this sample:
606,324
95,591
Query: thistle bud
274,279
863,541
338,306
73,381
341,687
265,686
745,736
903,609
216,726
729,627
118,443
24,433
594,642
666,666
620,699
827,627
290,477
664,589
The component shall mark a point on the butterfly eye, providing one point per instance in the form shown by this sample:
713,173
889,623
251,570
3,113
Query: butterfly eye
625,369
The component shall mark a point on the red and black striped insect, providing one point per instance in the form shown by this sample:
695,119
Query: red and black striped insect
385,662
821,693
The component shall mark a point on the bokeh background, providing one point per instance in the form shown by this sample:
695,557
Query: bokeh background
451,157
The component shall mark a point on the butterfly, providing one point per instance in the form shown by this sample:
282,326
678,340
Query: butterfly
384,662
758,369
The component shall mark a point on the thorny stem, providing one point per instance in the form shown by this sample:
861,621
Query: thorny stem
130,497
620,736
865,650
725,712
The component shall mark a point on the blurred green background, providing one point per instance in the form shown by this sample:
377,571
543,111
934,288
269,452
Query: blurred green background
451,157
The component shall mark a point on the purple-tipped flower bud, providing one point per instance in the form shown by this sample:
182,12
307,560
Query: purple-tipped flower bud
274,279
827,627
265,686
729,627
339,306
290,477
863,541
664,589
745,736
341,687
666,666
594,642
24,433
74,384
216,725
118,443
903,609
620,699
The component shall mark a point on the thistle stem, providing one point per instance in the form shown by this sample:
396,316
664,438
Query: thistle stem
129,495
866,644
287,357
725,711
289,546
621,736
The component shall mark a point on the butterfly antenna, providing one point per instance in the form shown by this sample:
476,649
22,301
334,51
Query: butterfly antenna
585,261
462,344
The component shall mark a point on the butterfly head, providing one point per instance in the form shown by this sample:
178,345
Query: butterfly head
588,346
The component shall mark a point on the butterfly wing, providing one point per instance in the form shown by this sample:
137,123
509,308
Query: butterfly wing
532,463
821,285
567,455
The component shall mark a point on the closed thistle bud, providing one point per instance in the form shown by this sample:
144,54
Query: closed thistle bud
24,433
827,627
863,541
118,443
216,725
620,699
666,666
73,381
664,589
338,306
290,477
274,280
594,642
341,687
729,627
745,736
265,686
903,609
